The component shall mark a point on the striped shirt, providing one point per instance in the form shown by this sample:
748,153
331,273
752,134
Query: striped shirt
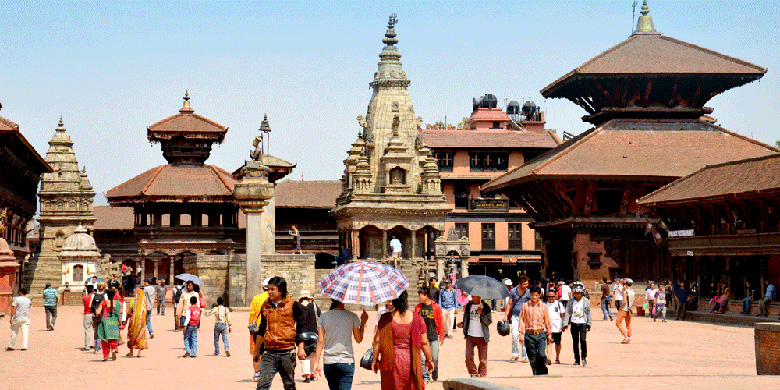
222,315
534,317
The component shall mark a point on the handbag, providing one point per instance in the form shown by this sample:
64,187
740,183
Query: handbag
367,359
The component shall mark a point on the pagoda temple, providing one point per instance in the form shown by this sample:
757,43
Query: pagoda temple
645,96
391,185
186,207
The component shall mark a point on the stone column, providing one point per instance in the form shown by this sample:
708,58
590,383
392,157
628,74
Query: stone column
268,226
384,244
413,249
156,268
252,194
355,244
171,260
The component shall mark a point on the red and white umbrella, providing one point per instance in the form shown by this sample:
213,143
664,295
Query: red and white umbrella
364,282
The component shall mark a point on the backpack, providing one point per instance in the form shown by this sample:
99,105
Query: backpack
176,295
97,300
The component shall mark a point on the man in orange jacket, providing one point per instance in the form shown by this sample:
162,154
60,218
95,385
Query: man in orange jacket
431,314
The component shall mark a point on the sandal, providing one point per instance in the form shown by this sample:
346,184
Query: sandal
9,349
557,361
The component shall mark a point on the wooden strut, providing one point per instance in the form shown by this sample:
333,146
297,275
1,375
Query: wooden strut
555,197
532,200
589,192
545,200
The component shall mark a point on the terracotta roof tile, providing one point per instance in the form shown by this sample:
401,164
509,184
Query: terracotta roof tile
625,148
176,183
7,125
657,54
39,163
731,179
194,125
319,194
489,114
113,218
489,139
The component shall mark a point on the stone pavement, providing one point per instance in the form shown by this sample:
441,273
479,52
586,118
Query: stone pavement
667,355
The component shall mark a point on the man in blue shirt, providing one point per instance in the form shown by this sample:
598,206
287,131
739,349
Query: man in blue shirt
50,299
770,294
681,294
448,300
517,297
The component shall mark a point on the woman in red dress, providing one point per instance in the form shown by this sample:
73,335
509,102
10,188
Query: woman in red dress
397,343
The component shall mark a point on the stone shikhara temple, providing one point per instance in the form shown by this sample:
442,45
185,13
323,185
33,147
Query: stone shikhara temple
645,96
391,182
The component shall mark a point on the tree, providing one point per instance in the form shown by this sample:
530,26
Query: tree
463,124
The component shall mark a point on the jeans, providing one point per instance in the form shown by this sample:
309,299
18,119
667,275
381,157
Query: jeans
448,318
578,338
762,306
481,345
160,307
283,363
96,339
682,308
435,356
191,340
16,326
339,375
51,316
220,329
516,339
87,323
660,310
536,345
149,322
605,307
746,305
650,307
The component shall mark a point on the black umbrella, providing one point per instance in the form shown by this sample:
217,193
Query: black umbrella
483,286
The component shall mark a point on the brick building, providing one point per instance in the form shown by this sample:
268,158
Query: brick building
502,244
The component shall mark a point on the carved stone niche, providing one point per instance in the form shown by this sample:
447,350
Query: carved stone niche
594,260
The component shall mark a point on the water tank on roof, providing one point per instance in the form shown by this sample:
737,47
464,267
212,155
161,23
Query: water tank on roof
489,101
513,108
529,108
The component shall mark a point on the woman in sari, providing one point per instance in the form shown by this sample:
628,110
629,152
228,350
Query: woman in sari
136,323
399,338
108,330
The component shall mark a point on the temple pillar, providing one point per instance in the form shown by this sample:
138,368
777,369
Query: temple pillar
268,223
384,244
156,269
253,255
413,251
355,239
171,260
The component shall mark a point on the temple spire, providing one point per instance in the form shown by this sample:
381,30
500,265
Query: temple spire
186,107
390,38
645,22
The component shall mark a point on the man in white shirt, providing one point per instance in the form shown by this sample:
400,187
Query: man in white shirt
578,317
618,293
650,297
565,293
556,311
624,313
149,297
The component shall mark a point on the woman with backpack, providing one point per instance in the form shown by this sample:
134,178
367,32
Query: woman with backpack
108,329
305,329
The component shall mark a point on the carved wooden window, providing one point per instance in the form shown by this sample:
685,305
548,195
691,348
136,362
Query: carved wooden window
515,236
462,230
461,195
78,273
445,161
185,220
488,236
489,162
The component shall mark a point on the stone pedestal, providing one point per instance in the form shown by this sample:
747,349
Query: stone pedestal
8,268
767,337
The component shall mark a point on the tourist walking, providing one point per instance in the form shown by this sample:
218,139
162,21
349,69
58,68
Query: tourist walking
749,292
149,297
618,293
431,314
536,330
624,312
176,294
770,294
433,288
517,297
310,315
19,318
578,318
650,298
97,300
398,343
565,293
222,325
191,324
50,299
136,331
297,236
395,247
281,314
448,302
556,312
255,319
606,299
87,320
682,295
660,303
108,329
475,324
334,356
160,292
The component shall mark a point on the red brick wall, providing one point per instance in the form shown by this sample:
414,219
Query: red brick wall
767,336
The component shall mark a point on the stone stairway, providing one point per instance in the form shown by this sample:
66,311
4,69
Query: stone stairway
38,271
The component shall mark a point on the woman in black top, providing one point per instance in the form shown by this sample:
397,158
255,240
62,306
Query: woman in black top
305,329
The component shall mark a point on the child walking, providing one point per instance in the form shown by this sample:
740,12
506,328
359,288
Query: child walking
222,325
191,323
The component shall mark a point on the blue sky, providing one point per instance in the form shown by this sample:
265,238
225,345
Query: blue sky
113,68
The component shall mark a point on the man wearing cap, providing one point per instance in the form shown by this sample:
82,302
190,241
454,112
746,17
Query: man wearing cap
624,311
149,297
578,317
448,301
50,300
257,319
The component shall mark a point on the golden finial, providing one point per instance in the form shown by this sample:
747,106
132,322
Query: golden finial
60,123
186,107
645,22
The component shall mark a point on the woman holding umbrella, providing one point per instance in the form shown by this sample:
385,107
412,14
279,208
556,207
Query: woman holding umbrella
397,344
